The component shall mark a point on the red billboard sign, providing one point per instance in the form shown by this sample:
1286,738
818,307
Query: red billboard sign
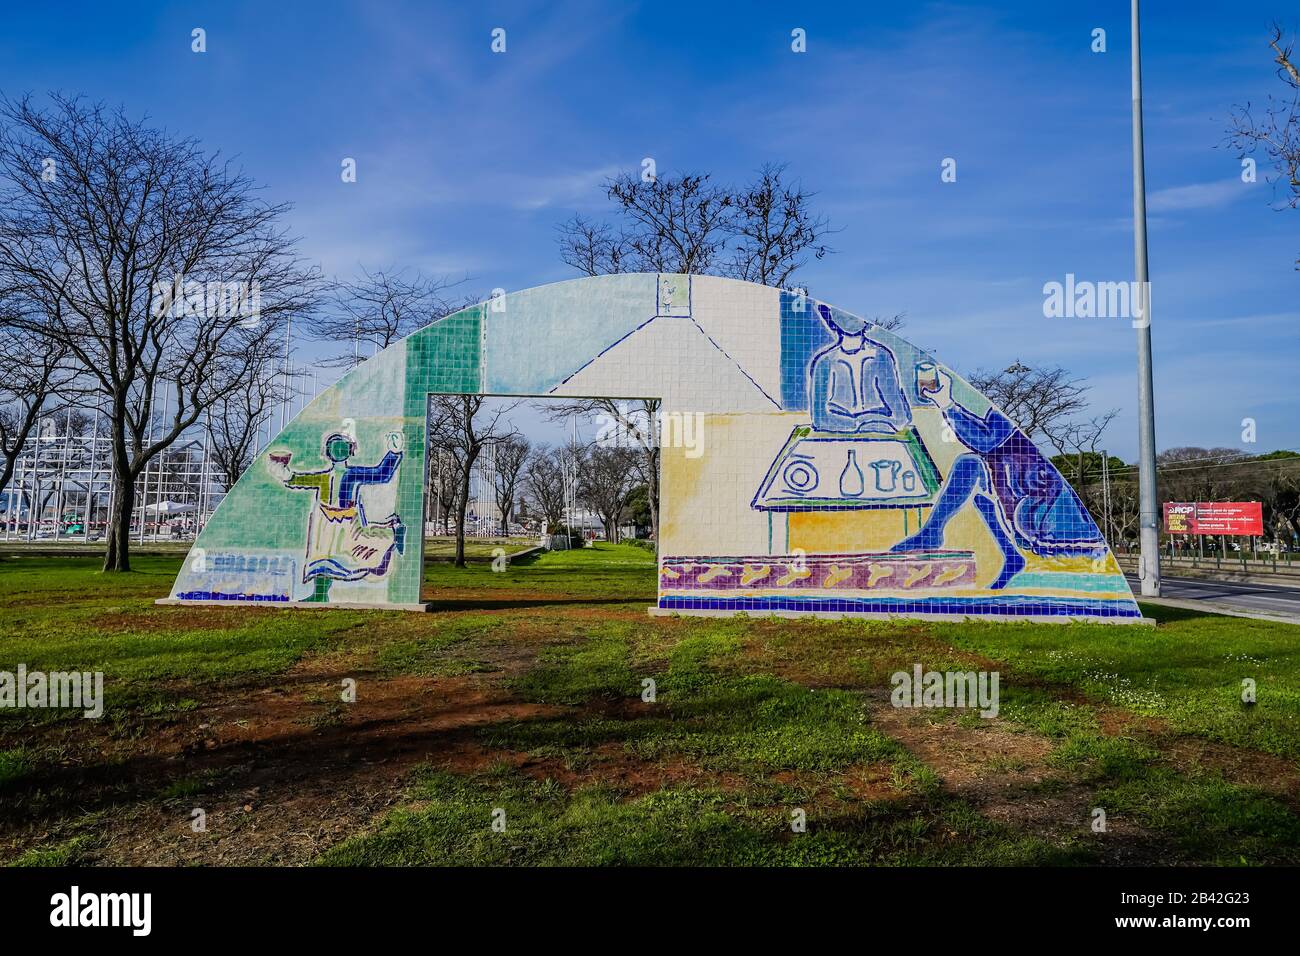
1214,517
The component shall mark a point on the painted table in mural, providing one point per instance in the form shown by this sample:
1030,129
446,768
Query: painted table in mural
889,480
831,472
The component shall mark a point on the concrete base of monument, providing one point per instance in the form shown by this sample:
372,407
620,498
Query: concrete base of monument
303,605
902,616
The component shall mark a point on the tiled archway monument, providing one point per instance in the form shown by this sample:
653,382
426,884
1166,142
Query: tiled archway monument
831,468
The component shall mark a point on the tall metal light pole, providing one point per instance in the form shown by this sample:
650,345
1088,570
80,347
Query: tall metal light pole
1149,539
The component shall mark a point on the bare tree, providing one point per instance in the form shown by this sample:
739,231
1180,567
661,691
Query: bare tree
33,369
508,461
378,309
1079,442
236,418
462,426
1042,401
775,229
1189,473
444,486
1052,408
593,248
1125,510
1192,474
1281,493
625,423
606,482
676,223
760,232
544,481
1277,129
156,265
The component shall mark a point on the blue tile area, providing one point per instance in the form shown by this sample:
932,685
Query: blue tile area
802,334
535,339
224,596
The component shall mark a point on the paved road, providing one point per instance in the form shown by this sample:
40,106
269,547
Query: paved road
1251,597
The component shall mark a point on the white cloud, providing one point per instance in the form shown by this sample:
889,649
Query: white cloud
582,188
1195,196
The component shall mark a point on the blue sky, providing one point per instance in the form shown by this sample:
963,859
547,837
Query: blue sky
468,159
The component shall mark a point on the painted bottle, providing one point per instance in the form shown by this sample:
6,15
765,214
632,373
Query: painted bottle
851,481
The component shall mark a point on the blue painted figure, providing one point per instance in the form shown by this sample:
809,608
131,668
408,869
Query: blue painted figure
1025,504
853,382
343,544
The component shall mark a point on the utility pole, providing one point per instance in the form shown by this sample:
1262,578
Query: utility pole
1148,530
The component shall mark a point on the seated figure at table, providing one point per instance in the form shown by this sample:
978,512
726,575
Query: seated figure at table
1024,502
853,382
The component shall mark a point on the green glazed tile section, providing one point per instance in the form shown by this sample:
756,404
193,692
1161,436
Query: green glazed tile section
404,585
258,513
444,357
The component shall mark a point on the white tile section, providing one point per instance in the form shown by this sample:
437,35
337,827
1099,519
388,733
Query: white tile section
745,320
670,358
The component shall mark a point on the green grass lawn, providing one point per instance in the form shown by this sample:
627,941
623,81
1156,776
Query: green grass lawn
443,548
1189,670
544,698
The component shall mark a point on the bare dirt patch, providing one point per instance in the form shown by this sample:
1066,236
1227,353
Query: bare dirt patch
609,765
1191,754
972,761
281,771
1275,775
1004,773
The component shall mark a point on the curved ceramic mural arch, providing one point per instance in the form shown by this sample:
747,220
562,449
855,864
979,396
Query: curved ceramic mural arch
832,467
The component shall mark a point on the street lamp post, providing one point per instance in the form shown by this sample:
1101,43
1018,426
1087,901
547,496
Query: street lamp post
1149,570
